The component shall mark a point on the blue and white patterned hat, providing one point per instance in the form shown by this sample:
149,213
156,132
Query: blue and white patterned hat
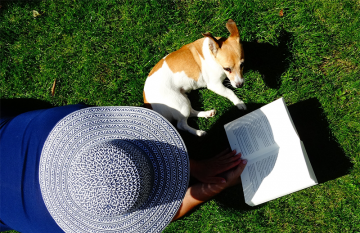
113,169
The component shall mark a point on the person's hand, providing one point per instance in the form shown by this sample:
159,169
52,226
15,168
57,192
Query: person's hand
232,176
206,171
208,190
201,192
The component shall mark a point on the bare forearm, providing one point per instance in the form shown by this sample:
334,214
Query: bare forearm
202,192
196,195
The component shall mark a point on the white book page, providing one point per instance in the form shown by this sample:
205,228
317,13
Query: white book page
251,135
286,171
256,171
280,122
261,130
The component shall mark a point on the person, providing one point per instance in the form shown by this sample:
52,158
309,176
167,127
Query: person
77,168
227,163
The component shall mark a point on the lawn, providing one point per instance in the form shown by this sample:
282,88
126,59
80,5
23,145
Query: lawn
308,52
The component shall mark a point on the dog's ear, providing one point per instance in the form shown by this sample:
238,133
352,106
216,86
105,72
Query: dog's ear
232,28
213,43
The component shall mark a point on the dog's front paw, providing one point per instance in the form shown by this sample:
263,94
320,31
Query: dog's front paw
241,106
210,113
200,133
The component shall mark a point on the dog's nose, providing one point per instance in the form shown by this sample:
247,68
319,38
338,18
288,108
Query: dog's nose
238,85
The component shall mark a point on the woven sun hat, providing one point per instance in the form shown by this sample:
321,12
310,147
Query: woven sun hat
113,169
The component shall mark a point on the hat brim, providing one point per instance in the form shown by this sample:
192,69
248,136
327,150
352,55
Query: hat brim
146,129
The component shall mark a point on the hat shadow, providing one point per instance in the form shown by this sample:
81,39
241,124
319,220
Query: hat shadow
327,158
161,168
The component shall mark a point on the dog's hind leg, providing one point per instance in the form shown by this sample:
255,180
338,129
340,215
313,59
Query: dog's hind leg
183,125
181,110
206,114
194,113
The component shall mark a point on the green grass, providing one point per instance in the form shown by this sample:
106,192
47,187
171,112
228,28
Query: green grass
100,53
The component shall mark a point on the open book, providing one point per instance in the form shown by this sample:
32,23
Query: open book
277,161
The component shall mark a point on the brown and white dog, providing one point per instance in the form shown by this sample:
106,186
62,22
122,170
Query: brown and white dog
203,63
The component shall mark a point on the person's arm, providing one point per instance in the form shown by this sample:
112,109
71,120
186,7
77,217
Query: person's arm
202,192
196,195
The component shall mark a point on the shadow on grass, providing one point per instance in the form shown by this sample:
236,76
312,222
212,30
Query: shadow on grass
269,60
7,4
326,156
215,141
13,107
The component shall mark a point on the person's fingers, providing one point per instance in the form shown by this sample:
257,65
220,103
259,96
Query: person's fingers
228,155
233,177
227,166
241,167
231,159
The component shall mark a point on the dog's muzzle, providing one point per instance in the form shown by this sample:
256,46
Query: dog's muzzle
238,85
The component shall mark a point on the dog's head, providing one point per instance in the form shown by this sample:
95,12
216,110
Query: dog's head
229,53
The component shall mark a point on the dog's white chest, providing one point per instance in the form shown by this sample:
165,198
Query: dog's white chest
165,78
188,84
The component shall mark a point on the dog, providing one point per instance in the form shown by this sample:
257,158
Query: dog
204,63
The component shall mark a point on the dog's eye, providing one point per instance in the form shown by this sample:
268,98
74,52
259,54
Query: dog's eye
227,69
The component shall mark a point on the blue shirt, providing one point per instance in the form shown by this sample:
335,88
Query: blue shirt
21,140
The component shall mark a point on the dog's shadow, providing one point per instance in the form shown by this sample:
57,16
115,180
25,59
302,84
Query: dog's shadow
326,156
269,60
215,141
